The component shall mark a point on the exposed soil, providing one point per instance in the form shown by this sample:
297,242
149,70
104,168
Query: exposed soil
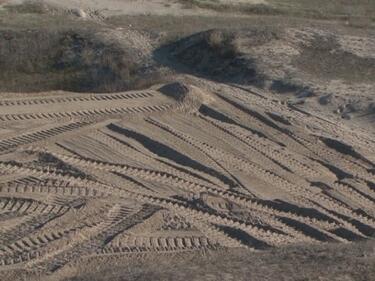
300,64
184,152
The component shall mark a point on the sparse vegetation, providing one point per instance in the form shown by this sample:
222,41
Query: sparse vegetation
30,7
46,55
259,9
223,43
336,9
168,29
256,161
215,54
75,60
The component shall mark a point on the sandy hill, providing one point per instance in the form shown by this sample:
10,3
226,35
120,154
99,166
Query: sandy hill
149,147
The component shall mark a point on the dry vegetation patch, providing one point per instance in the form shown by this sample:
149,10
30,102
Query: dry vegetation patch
359,13
219,54
42,48
232,171
75,60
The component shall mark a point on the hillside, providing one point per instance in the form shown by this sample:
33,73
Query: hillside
187,140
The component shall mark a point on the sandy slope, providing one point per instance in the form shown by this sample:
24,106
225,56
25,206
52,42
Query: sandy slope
174,170
94,182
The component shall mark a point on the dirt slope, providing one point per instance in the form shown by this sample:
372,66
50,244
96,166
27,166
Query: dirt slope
316,70
255,160
175,170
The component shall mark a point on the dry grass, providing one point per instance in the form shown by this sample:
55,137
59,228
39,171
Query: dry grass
365,8
41,52
76,60
362,11
168,29
259,9
223,43
30,7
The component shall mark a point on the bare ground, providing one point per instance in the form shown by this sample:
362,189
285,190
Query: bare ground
209,176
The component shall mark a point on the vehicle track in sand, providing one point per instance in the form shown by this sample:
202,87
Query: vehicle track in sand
138,174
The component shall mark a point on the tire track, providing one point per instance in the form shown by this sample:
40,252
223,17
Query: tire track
27,206
212,218
133,153
94,239
156,176
351,193
298,142
268,176
86,113
54,100
39,135
330,127
29,225
161,244
341,161
56,189
264,147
